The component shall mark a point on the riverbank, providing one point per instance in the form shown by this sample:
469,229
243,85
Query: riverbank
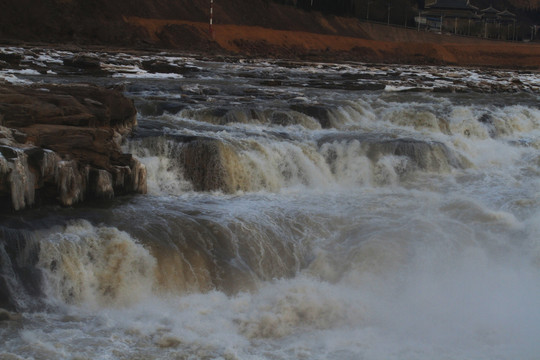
385,45
258,29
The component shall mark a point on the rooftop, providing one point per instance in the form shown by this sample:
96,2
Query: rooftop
452,5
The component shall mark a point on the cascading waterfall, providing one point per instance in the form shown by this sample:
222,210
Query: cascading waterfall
232,163
291,221
95,266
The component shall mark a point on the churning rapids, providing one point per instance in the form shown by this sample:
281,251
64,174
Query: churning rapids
295,211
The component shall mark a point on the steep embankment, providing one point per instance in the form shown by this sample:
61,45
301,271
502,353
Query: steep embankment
408,46
256,28
101,21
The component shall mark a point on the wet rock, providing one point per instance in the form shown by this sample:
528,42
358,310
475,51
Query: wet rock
164,67
157,66
433,156
203,165
5,296
516,81
443,89
348,85
159,107
77,105
281,118
8,152
83,61
358,76
101,185
210,91
218,112
218,116
271,83
94,146
62,143
170,107
11,58
487,121
211,165
318,112
20,280
130,178
18,136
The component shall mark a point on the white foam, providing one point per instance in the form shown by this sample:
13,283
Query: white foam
147,75
12,79
22,71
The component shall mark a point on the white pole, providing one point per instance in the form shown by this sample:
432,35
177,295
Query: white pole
212,34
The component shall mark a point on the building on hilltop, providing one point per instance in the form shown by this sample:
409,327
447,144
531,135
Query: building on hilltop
493,22
509,19
455,16
461,17
506,17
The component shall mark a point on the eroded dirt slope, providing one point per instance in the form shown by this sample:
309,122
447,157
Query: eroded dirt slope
254,28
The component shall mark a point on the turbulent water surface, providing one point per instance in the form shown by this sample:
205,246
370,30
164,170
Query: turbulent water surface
295,211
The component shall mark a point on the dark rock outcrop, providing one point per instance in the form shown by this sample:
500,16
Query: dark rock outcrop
63,142
318,112
162,67
83,61
10,58
205,165
20,280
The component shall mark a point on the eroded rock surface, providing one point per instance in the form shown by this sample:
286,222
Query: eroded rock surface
62,143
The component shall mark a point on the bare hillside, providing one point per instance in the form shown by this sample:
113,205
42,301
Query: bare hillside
249,28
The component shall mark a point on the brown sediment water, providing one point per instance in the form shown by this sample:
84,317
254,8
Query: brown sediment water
342,212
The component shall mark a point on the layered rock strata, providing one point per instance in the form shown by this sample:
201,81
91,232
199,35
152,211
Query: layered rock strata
62,143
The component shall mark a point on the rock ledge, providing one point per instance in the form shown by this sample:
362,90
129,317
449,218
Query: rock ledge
61,143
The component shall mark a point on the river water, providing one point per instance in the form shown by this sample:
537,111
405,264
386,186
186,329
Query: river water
296,211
